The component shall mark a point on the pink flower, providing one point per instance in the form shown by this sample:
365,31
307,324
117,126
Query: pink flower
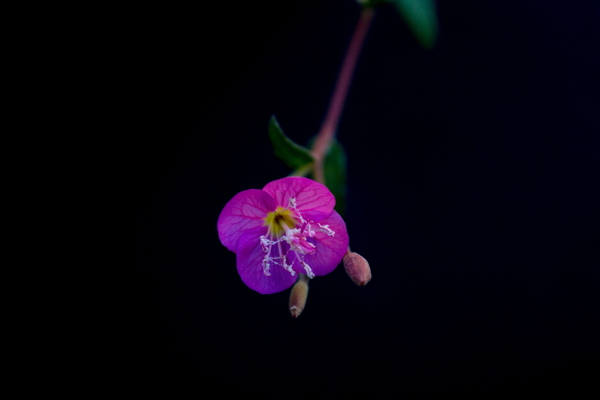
286,228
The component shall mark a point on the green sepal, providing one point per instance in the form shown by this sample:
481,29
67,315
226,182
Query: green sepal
292,154
334,168
335,165
421,17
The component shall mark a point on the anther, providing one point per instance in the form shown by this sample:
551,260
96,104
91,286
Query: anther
265,264
264,242
309,271
292,202
325,229
288,267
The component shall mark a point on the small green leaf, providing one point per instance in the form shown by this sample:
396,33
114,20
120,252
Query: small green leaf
335,175
421,17
292,154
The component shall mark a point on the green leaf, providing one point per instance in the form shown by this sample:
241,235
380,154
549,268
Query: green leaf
421,17
335,175
292,154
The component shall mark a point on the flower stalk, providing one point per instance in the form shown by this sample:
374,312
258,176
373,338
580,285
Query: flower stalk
336,105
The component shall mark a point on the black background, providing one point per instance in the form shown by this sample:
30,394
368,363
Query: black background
473,193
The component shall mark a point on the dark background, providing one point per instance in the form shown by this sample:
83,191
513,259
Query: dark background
473,193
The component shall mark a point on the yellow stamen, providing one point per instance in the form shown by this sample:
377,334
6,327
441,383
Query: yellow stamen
280,220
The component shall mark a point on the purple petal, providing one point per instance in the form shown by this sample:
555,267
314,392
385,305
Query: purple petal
247,210
313,199
330,250
250,255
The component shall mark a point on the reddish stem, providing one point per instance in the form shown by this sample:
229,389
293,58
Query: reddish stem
336,105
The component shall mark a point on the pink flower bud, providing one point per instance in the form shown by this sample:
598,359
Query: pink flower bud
357,268
298,296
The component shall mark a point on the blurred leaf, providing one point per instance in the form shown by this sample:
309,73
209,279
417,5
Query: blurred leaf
294,155
421,17
335,175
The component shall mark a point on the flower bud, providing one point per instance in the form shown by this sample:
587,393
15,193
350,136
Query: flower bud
357,268
298,296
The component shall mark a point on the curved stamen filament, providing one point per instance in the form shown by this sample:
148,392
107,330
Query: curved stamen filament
284,226
284,260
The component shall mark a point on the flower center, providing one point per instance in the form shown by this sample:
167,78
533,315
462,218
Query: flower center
289,226
280,220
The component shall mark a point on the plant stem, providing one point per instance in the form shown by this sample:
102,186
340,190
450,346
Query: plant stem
336,105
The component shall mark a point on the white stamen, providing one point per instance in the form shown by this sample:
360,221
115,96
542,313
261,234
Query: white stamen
265,264
325,229
292,205
265,243
309,271
286,266
290,235
311,233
